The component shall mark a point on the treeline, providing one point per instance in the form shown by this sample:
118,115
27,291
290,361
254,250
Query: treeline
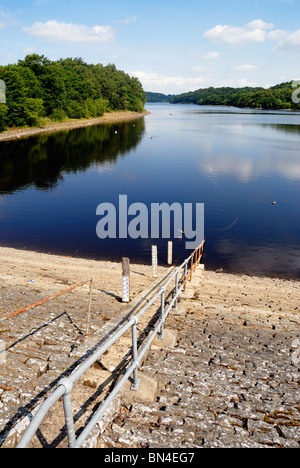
39,89
276,97
158,97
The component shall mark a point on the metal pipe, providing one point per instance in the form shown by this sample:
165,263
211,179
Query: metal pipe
162,311
40,416
61,389
136,380
68,411
176,291
152,300
99,413
94,357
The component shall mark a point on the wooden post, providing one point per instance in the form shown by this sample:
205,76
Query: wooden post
154,260
125,280
170,253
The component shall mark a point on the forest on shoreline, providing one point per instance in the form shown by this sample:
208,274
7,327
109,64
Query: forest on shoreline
274,98
39,91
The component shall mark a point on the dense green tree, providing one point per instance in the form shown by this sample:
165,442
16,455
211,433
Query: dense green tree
158,97
3,113
276,97
68,88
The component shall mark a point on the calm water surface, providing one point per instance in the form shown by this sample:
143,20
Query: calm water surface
236,162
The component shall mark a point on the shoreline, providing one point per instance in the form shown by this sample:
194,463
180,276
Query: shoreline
71,124
110,259
21,255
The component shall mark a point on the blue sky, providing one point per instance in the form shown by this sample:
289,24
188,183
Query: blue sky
172,46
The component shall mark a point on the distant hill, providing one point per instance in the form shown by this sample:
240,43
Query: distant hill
276,97
158,97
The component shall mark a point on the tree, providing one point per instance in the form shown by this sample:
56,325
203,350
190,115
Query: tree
276,97
3,113
67,88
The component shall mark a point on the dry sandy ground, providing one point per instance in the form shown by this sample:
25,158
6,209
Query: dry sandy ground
21,268
56,273
112,117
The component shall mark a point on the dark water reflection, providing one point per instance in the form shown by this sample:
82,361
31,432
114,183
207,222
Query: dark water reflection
41,161
234,161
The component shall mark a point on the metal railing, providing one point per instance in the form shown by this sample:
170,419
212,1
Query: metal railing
65,385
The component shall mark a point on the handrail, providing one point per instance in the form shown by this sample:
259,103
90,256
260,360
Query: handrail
65,385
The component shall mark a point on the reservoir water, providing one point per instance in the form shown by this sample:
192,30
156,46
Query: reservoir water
237,162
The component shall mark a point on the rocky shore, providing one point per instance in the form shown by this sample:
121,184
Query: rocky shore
230,379
46,342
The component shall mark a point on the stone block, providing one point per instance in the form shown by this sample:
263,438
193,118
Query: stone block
169,341
146,393
180,312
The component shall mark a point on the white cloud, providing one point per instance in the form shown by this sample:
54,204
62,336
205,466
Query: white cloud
242,83
126,21
291,42
252,32
201,69
5,19
260,24
53,31
246,67
168,84
277,34
209,56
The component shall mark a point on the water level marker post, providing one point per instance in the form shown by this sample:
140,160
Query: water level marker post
170,253
154,260
125,280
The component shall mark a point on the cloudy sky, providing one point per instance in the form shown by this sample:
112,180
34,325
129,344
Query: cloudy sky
172,46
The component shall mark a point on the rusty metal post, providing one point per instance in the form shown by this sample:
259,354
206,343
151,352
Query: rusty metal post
192,266
185,275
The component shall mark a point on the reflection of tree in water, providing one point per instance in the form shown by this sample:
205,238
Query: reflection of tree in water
283,128
41,160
